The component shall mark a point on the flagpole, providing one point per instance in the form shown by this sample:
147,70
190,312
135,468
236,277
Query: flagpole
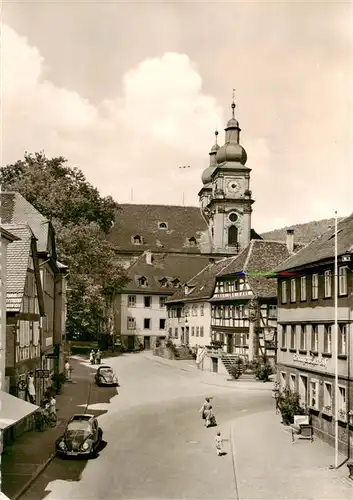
336,343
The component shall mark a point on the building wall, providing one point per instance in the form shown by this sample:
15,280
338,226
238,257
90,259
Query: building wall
155,312
194,317
3,329
313,361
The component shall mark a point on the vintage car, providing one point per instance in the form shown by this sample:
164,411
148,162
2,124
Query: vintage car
82,437
106,376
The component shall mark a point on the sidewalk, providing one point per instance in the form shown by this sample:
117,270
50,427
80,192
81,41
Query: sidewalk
25,459
210,378
269,467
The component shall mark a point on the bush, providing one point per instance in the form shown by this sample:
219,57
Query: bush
262,368
158,343
217,343
289,406
58,381
236,369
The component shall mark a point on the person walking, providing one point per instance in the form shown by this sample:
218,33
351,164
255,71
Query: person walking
206,412
219,444
92,357
98,357
31,389
68,370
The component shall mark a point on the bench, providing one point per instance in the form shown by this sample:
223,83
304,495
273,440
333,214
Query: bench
301,428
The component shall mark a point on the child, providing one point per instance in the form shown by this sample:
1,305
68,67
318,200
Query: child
219,444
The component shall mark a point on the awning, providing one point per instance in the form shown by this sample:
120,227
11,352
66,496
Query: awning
13,410
3,496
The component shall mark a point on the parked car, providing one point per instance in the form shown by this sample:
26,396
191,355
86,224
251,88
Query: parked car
82,437
106,376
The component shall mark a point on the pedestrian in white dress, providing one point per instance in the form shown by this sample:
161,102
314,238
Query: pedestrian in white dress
31,389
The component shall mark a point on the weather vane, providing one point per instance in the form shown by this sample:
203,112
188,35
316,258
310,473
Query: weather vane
233,102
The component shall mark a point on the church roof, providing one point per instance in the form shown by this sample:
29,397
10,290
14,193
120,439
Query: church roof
165,273
162,228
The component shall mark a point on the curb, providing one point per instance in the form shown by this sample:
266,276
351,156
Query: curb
34,476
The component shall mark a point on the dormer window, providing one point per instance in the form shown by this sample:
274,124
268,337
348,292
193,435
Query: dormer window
142,281
162,225
163,282
192,241
137,240
176,283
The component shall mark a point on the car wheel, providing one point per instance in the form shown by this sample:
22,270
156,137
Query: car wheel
100,434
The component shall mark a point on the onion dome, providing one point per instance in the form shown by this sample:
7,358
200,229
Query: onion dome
207,173
232,151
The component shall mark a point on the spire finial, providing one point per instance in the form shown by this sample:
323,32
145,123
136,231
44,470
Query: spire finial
233,103
216,134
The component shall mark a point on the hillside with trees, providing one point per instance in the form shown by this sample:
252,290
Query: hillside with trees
303,233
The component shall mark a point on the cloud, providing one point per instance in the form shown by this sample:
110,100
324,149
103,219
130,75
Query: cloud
295,105
162,120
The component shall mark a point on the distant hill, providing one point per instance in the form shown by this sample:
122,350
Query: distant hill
303,233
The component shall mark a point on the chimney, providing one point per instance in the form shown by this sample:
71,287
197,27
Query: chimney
148,256
290,240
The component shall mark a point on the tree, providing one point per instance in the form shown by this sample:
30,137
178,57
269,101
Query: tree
81,218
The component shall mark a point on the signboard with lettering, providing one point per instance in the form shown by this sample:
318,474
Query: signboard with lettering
42,373
310,360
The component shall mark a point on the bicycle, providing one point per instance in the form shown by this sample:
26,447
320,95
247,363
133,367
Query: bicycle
45,419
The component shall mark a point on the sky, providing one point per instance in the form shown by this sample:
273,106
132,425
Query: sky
130,91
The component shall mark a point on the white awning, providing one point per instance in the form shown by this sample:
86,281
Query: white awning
13,410
3,496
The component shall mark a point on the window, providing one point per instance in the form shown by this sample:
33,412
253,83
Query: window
328,283
292,382
284,336
272,312
132,300
147,301
315,338
315,286
192,331
197,331
170,332
147,323
292,337
342,339
233,236
327,397
303,288
137,240
162,225
194,311
201,331
292,290
342,281
233,217
192,241
202,309
314,394
162,324
176,333
162,301
302,337
283,380
284,292
131,323
142,281
328,339
342,408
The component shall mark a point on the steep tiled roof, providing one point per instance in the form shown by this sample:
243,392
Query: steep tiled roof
18,254
164,267
15,209
260,256
323,247
203,283
303,233
182,224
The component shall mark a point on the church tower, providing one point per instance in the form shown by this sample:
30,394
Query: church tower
225,198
